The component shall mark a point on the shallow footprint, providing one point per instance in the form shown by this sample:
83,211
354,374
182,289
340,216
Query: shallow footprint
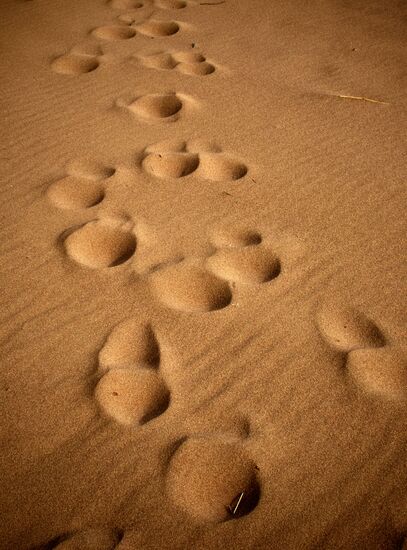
221,167
89,539
100,244
158,29
249,265
189,287
126,4
75,64
346,329
165,107
83,188
114,32
379,371
130,344
170,4
212,481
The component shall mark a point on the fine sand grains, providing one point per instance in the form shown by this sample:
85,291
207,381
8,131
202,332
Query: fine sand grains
203,331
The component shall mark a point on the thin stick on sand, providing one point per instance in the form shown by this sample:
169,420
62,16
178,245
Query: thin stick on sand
360,98
239,500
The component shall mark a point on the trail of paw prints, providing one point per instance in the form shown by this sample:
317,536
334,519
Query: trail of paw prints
186,62
132,390
198,285
104,242
369,360
163,107
212,480
97,538
79,60
84,186
162,4
178,159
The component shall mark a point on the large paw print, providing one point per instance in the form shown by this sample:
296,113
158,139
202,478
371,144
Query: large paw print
369,360
203,285
212,480
83,187
132,390
178,159
187,62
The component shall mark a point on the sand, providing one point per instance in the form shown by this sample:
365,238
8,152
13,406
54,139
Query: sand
203,331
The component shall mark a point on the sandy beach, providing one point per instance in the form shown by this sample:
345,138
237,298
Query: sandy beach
203,275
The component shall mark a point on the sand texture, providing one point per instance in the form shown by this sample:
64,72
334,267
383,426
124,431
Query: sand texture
203,276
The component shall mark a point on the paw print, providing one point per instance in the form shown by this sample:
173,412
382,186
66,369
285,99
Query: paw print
84,186
186,62
213,479
368,358
131,389
79,60
178,159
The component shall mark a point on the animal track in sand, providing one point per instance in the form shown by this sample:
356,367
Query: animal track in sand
212,481
157,29
75,64
126,4
89,539
170,4
236,238
136,4
81,188
101,243
131,391
368,359
186,62
114,32
189,287
163,107
346,329
248,265
180,158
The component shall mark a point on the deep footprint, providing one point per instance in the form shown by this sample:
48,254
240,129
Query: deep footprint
212,481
